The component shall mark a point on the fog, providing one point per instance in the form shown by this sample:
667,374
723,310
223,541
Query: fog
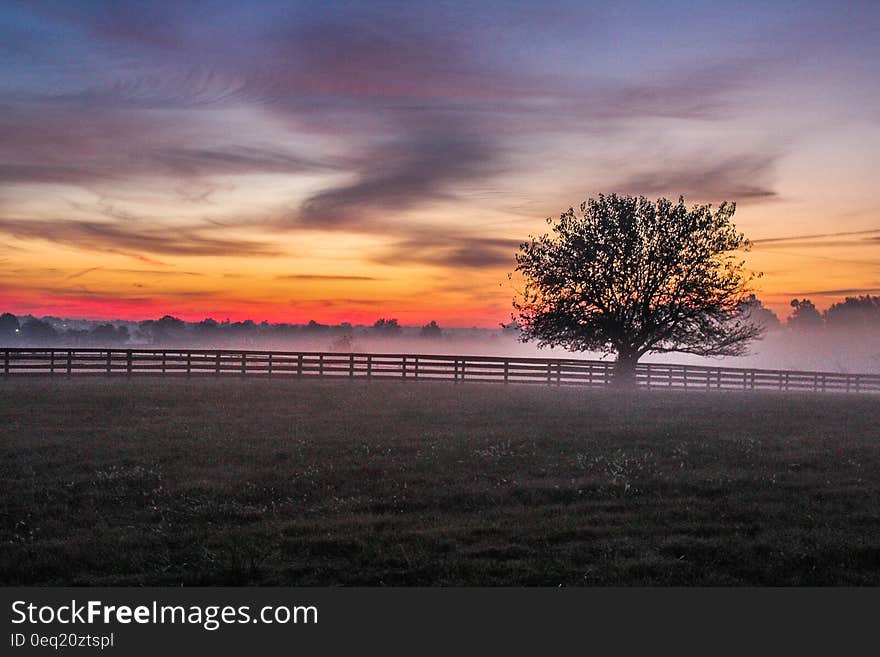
807,348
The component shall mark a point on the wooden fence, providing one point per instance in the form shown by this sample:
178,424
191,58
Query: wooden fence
553,371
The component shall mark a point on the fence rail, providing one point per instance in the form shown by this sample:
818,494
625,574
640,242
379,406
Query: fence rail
552,371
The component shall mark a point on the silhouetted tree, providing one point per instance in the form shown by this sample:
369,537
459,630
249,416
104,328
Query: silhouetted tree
629,276
35,330
856,313
108,334
754,311
387,327
431,330
9,326
165,329
315,327
805,317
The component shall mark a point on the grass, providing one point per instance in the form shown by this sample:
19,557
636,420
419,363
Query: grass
156,481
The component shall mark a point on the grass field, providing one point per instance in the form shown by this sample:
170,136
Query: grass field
242,481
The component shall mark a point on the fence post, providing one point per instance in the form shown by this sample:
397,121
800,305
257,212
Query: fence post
69,361
648,375
607,374
455,371
128,360
684,375
463,364
351,366
6,362
270,364
164,357
243,363
189,358
858,382
417,368
321,365
370,366
549,374
823,383
299,364
52,362
559,374
506,370
403,368
108,361
217,363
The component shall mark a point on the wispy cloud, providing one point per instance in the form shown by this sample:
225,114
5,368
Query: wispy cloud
449,249
821,293
805,238
708,177
94,236
410,170
320,277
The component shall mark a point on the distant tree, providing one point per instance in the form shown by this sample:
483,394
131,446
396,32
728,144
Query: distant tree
387,328
629,276
512,328
36,330
431,330
9,326
754,311
164,329
315,327
805,317
857,313
108,334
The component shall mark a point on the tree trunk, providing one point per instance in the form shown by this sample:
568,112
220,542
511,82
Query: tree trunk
625,370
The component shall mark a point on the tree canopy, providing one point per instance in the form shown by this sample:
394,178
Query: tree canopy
630,276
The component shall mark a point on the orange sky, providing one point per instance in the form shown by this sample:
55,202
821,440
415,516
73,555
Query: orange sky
245,165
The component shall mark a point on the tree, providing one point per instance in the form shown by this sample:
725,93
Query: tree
754,310
856,313
805,317
106,334
431,330
387,327
629,276
9,326
38,330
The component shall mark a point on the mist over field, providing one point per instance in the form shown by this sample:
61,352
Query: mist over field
818,348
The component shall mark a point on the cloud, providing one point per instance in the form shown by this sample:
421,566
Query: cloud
853,290
797,239
423,164
432,247
46,144
95,236
320,277
742,177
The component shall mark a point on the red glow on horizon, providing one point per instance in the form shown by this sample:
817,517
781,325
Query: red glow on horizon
136,310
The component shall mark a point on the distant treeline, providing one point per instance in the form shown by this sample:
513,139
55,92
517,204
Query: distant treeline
56,331
853,314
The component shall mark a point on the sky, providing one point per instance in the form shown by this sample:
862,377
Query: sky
345,161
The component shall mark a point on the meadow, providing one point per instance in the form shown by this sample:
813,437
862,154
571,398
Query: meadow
203,481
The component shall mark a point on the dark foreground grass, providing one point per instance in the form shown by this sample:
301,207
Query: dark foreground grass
169,481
